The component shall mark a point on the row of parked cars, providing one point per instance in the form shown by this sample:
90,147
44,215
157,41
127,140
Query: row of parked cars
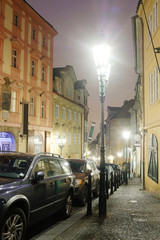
33,186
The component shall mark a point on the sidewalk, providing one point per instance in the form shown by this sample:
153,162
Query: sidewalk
131,214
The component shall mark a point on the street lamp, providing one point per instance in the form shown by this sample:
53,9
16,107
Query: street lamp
126,136
61,142
101,55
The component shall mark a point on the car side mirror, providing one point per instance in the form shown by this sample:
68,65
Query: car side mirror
39,176
89,172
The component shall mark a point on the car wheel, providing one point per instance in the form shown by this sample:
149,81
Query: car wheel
84,196
96,192
14,225
67,210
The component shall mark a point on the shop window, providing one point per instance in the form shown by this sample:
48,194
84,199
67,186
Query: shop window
153,158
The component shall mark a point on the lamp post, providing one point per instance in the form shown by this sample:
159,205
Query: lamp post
61,142
126,136
101,54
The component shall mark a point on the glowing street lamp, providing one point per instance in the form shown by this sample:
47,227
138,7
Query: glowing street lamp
61,142
126,136
101,55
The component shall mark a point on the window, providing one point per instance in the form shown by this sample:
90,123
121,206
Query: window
79,139
43,42
69,115
15,20
69,138
153,158
42,109
14,58
74,116
63,113
74,138
156,84
57,111
79,117
33,68
151,88
13,101
43,73
54,168
34,33
155,16
32,106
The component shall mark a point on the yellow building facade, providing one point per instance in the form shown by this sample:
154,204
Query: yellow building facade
70,113
148,12
26,63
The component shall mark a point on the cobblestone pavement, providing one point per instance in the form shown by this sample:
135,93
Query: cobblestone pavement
131,214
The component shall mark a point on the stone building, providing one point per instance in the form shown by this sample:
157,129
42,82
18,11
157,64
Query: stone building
26,63
70,113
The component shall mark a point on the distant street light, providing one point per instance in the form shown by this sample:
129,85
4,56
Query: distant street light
61,142
126,136
101,55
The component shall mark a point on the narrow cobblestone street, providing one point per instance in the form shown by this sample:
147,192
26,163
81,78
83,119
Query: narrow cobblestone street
131,214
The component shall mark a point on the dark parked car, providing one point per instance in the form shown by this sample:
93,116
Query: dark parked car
109,169
80,169
32,187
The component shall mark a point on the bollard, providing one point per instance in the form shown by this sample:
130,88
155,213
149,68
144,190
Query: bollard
107,193
117,179
115,182
111,182
89,198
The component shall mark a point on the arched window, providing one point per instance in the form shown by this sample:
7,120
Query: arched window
153,158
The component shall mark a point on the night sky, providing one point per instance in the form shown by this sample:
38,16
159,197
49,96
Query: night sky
79,23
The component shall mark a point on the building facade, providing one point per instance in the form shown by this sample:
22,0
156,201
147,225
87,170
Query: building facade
70,113
26,63
146,41
118,121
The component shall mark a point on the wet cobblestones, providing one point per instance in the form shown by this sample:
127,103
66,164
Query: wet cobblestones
131,214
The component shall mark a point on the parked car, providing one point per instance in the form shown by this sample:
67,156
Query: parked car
32,187
80,169
109,169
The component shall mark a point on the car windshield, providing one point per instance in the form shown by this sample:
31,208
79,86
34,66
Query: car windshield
14,166
77,167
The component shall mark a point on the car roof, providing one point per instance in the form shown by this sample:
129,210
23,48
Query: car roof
30,155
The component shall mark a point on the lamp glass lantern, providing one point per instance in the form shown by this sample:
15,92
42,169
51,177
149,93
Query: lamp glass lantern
101,55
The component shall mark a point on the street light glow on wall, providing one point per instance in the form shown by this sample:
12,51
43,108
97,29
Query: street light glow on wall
102,55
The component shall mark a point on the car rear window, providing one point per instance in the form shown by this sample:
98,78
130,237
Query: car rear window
77,167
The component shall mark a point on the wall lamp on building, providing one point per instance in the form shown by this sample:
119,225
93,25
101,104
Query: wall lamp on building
126,136
61,142
101,55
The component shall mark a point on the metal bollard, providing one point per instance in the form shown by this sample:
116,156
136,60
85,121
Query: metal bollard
117,179
107,193
111,182
89,198
115,182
